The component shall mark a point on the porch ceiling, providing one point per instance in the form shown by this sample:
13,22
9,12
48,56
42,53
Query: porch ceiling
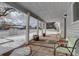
48,11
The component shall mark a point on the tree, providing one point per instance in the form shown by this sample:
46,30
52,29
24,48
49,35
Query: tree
4,11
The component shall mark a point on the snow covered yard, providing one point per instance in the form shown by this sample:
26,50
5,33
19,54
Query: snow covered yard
17,41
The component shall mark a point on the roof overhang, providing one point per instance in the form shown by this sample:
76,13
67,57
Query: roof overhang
44,11
23,9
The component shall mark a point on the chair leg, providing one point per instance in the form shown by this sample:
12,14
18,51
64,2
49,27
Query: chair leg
54,52
71,54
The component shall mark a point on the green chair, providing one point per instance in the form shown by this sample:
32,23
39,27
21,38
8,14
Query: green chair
69,49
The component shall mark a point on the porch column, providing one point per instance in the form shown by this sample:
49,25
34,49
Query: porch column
38,27
45,27
27,28
42,28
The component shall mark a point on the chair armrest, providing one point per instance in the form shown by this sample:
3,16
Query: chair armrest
66,48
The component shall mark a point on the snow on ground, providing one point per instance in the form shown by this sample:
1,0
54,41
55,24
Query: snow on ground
51,31
18,40
4,41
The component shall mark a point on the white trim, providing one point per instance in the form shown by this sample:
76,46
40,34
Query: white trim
37,27
27,27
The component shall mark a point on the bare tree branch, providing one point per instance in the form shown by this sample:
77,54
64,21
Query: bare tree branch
6,10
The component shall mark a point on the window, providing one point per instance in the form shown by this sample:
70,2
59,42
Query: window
76,11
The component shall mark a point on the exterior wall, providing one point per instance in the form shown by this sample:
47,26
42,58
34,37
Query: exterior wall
62,27
69,20
72,28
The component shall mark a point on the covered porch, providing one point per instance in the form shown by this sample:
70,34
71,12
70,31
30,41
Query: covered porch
51,26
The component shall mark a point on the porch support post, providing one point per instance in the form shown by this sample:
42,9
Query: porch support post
45,27
42,28
65,28
38,27
27,28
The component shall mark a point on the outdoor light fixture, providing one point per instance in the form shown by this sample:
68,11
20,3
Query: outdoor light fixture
65,15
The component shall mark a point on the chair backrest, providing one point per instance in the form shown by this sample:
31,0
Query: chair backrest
75,49
71,41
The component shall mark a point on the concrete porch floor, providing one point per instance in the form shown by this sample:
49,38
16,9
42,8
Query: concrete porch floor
42,48
43,51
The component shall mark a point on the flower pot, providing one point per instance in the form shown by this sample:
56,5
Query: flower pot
36,37
44,34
